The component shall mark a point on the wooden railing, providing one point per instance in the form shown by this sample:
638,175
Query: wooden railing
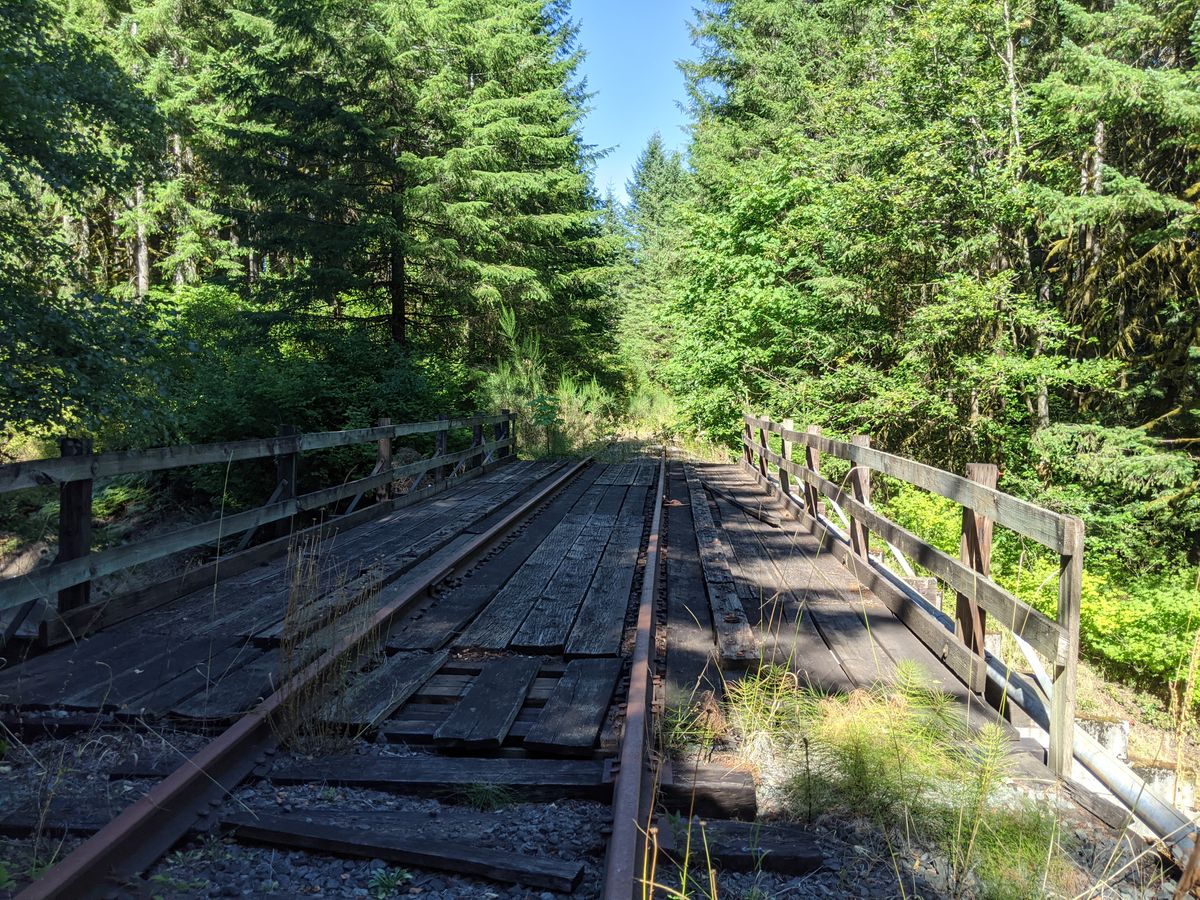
69,577
1056,639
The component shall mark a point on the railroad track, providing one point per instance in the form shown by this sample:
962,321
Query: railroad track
503,721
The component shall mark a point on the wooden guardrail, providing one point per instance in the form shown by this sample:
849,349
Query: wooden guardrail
1057,639
74,471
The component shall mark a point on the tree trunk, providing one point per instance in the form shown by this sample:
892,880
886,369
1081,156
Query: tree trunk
141,263
398,289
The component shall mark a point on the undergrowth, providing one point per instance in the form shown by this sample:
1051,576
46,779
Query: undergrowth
901,758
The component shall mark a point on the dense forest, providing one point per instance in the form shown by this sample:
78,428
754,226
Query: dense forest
968,230
965,228
222,215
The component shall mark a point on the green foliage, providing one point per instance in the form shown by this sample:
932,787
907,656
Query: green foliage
487,797
1141,626
558,417
964,229
1145,627
386,883
224,217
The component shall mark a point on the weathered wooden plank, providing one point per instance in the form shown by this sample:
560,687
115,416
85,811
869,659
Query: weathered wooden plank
201,676
549,621
735,639
235,693
386,557
533,779
691,648
570,721
709,789
44,680
489,707
646,473
221,577
495,626
450,686
779,571
941,643
370,841
129,680
41,472
1048,528
417,723
430,626
372,696
552,614
601,621
46,581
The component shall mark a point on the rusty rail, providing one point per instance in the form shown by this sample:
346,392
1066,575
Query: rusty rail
148,828
633,792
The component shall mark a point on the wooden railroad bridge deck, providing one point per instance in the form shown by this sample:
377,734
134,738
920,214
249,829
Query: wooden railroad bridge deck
505,602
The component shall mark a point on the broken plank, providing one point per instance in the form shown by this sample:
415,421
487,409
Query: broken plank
735,638
490,705
372,696
570,721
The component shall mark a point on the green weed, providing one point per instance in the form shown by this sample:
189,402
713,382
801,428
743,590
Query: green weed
903,758
386,883
487,797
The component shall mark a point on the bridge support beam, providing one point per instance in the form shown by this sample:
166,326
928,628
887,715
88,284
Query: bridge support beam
975,549
1062,704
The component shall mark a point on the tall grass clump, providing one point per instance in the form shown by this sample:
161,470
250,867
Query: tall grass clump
324,607
556,415
901,757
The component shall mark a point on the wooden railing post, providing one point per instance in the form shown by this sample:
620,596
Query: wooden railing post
975,549
476,441
384,461
511,432
287,472
860,486
747,455
439,449
74,523
812,462
785,450
762,458
500,432
1062,705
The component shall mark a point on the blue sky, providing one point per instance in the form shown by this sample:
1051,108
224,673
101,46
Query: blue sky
631,49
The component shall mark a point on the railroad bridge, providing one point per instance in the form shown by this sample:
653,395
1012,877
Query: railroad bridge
515,626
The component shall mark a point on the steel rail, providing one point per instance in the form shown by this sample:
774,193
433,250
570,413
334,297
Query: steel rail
633,788
148,828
